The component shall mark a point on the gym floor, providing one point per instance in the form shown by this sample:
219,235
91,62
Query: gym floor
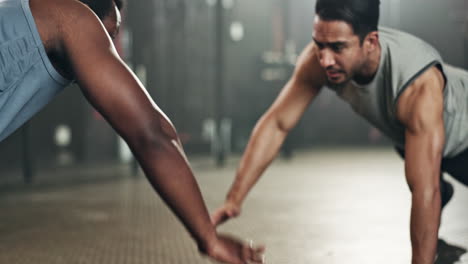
323,206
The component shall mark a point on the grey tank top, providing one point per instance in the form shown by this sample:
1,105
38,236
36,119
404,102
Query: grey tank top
28,81
404,57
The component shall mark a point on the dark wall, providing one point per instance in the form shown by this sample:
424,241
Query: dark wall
175,42
92,139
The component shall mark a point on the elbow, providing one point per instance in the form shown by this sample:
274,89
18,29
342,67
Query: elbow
427,193
148,140
277,121
270,123
437,154
282,125
428,197
437,146
152,136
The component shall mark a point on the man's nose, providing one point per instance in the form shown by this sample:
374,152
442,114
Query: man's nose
327,58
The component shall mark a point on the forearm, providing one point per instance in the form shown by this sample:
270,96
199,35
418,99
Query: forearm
262,148
425,220
168,171
423,173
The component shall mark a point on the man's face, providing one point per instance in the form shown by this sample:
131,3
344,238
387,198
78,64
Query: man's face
112,22
340,52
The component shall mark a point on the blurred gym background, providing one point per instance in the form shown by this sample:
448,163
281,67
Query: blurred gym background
70,191
214,67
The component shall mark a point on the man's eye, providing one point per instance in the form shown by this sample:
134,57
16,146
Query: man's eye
338,48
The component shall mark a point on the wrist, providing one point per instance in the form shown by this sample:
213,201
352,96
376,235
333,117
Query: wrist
234,199
235,195
207,241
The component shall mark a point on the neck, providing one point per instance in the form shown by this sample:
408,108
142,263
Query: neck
370,67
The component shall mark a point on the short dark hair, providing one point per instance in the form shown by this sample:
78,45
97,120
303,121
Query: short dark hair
102,8
362,15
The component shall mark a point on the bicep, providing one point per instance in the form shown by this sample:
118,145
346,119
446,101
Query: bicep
423,155
291,103
299,91
421,111
118,95
106,81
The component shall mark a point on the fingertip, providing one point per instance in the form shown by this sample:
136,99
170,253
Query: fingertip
218,219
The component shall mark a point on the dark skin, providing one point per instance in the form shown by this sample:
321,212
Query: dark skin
80,47
337,56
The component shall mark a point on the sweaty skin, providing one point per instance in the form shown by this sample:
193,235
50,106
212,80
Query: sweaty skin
80,47
420,108
335,57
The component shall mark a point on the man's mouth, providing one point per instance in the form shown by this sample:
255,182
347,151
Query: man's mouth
333,73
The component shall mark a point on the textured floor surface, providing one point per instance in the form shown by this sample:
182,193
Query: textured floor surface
328,206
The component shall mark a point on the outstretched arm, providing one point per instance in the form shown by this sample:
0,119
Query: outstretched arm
420,108
118,95
271,130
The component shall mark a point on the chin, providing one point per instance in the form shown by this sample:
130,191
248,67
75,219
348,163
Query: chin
337,82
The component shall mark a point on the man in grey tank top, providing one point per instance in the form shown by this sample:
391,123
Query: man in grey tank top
395,81
46,43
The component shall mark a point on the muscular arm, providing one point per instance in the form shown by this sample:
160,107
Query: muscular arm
420,108
272,128
118,95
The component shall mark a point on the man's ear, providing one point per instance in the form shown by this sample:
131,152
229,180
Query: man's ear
371,42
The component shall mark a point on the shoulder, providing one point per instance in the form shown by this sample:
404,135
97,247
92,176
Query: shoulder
60,12
58,20
409,62
408,52
398,38
63,25
422,101
308,67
